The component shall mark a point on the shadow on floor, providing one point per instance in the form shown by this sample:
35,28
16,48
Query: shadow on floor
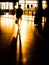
12,55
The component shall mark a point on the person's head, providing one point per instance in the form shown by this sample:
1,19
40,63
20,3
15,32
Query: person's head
19,6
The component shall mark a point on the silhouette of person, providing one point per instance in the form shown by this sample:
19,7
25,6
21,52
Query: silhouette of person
19,13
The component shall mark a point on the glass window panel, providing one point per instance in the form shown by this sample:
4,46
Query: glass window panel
11,5
6,5
2,5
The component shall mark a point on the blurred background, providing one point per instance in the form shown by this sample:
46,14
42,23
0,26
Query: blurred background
28,48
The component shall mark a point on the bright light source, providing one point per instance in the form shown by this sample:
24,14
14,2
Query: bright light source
7,13
44,4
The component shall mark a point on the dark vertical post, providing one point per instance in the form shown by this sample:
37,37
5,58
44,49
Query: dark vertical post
47,16
40,11
47,13
38,15
46,33
14,5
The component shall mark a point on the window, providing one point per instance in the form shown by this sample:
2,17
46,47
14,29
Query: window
6,5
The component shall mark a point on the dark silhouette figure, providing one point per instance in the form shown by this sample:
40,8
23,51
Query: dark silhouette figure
1,13
41,48
38,16
12,55
43,51
46,13
46,30
19,12
32,8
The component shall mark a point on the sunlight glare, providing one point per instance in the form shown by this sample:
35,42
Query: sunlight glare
24,60
23,32
15,30
7,23
6,5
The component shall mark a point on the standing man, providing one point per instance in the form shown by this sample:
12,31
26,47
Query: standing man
19,13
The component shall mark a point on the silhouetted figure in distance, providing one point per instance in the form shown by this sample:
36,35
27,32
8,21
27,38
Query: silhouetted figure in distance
19,12
38,16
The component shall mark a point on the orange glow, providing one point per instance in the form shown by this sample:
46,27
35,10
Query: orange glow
23,32
43,21
15,30
24,60
27,30
7,23
18,45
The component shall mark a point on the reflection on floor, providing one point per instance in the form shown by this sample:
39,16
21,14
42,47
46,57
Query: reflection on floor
28,48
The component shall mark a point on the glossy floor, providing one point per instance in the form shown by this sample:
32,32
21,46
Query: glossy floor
32,42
